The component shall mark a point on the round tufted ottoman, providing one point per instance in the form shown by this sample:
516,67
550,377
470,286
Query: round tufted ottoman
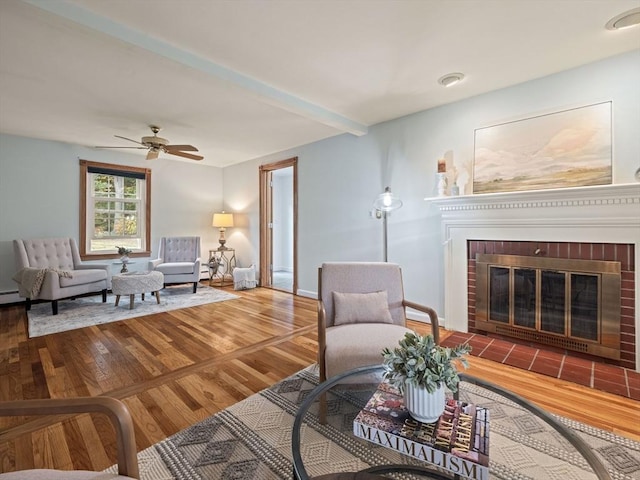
137,282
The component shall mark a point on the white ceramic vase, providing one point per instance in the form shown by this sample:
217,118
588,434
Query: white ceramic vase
424,406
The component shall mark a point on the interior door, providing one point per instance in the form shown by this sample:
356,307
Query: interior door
266,231
278,225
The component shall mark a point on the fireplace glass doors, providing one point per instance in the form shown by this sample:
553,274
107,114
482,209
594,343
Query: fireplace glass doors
572,304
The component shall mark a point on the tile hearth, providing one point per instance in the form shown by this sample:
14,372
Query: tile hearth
609,378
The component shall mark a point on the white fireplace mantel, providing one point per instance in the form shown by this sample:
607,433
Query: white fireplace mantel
599,214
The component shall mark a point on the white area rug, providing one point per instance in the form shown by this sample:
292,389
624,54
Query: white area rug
251,440
83,312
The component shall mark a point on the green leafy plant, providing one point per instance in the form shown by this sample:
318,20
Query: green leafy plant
123,250
419,361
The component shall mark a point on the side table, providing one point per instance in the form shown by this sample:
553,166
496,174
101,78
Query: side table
222,262
124,268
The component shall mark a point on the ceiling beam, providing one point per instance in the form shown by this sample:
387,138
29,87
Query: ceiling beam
265,93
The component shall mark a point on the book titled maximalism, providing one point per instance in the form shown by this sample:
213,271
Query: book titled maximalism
457,442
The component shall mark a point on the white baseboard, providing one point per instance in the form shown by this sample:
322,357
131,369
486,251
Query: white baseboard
422,317
10,297
204,274
307,293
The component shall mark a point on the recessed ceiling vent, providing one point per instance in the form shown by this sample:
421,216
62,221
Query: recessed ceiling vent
624,20
450,79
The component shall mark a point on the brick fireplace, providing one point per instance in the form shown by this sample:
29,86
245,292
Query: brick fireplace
622,352
586,223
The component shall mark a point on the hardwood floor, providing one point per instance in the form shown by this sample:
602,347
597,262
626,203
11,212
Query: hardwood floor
176,368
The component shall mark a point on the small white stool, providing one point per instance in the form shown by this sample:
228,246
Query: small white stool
137,282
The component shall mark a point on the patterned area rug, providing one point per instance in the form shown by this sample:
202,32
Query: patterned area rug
87,311
252,440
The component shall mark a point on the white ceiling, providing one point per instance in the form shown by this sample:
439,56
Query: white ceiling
243,79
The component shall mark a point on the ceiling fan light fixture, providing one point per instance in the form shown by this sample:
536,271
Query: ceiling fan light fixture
626,19
450,79
156,144
154,141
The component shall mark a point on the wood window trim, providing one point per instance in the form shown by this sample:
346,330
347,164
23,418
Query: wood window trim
84,166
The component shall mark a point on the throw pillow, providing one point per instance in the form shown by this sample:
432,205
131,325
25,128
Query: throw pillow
361,308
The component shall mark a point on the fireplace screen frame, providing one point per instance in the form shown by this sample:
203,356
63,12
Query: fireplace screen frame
608,273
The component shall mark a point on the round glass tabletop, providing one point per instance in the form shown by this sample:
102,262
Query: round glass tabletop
325,443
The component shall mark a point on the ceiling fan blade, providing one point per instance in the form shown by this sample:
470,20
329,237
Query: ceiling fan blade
101,146
185,155
188,148
153,154
131,140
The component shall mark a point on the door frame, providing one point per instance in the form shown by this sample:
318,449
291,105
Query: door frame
266,215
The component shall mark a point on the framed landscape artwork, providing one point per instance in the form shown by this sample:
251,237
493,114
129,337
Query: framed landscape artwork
570,148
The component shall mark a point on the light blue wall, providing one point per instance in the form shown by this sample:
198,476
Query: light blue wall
340,177
40,192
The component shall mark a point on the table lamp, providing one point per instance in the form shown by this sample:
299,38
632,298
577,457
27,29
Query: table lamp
222,221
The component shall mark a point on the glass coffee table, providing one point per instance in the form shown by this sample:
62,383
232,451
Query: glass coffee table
525,441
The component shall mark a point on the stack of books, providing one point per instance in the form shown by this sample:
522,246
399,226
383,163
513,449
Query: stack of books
457,442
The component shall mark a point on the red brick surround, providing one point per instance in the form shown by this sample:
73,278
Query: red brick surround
623,253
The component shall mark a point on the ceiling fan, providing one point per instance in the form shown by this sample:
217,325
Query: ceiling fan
156,144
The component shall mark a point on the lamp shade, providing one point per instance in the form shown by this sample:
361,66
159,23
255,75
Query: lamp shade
222,220
387,201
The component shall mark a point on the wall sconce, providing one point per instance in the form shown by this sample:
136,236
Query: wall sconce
222,221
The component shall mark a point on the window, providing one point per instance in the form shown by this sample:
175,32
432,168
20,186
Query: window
115,210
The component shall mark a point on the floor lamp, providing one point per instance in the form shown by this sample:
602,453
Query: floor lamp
385,204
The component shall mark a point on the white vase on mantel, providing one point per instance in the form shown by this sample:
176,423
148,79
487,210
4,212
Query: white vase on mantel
424,406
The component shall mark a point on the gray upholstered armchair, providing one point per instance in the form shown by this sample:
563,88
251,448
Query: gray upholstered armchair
178,260
361,310
51,269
